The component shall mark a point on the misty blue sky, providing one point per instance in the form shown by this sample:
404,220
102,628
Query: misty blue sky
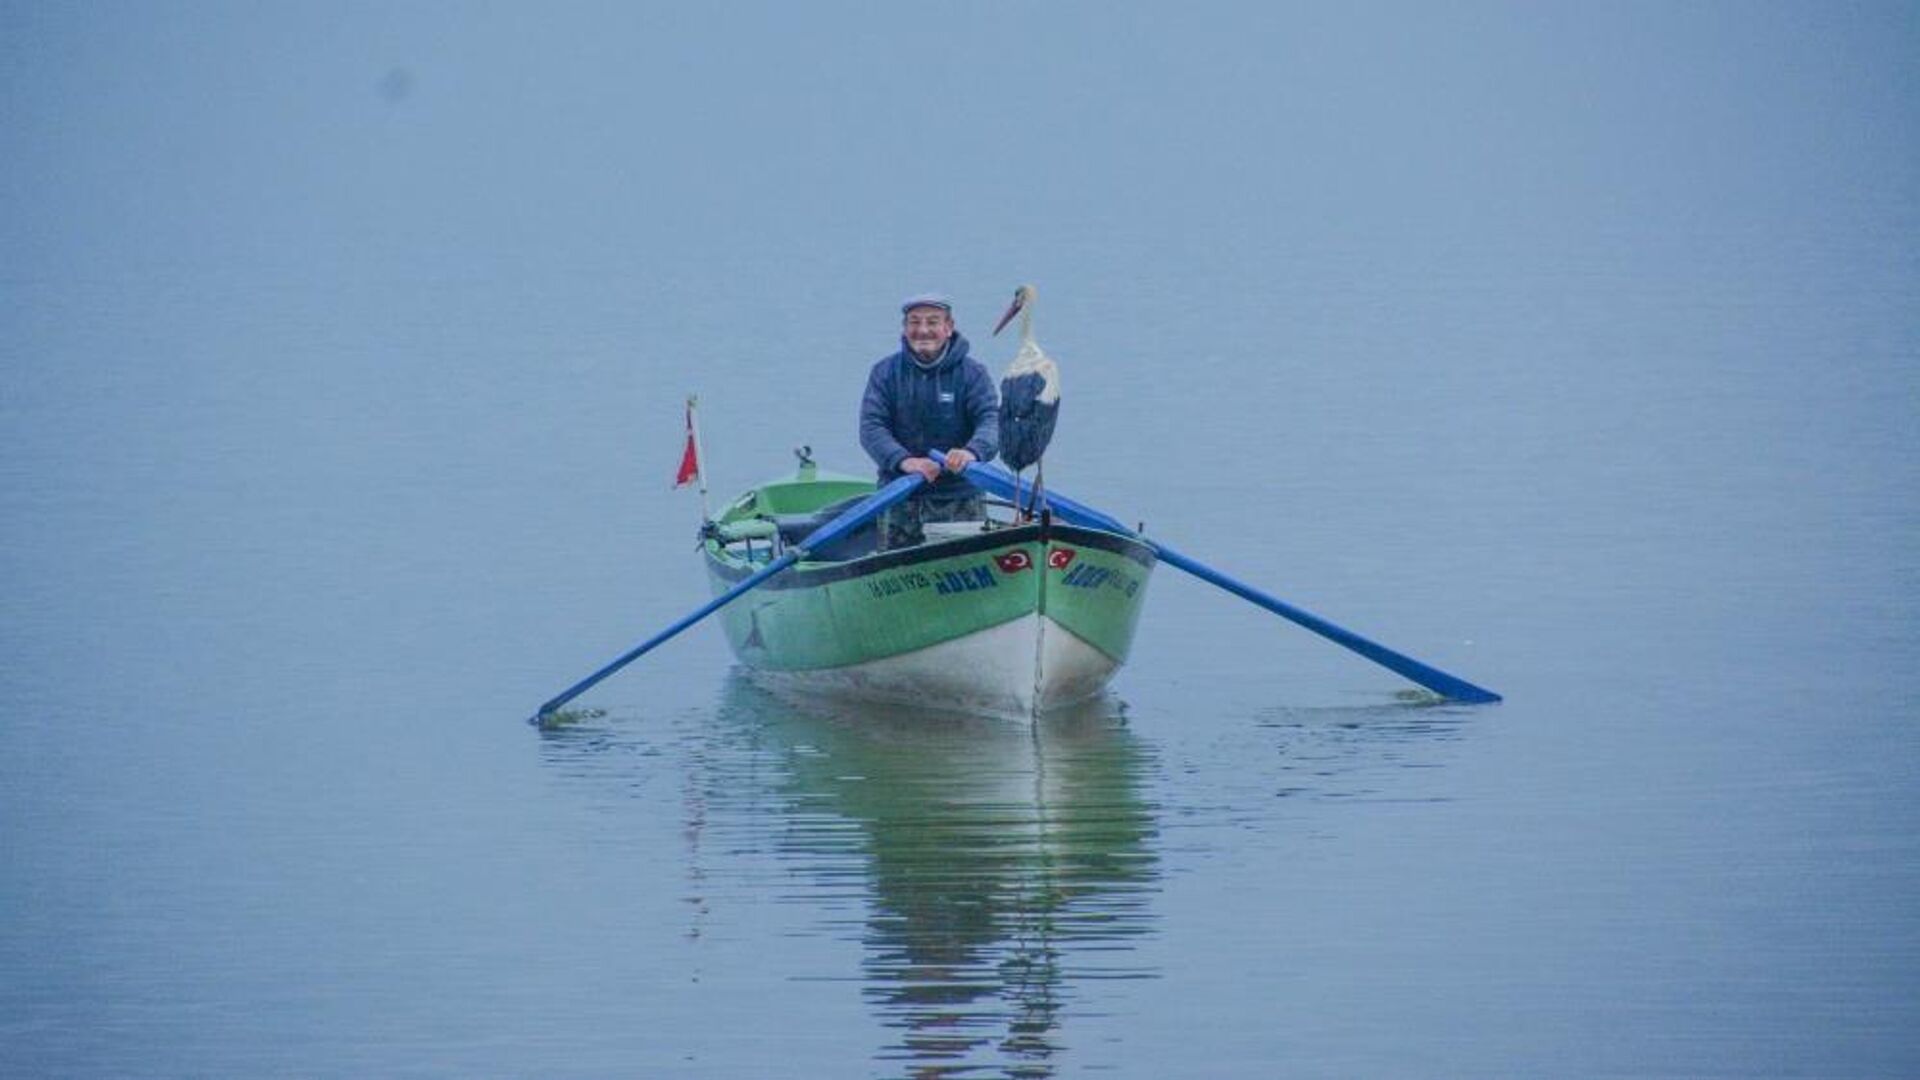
686,133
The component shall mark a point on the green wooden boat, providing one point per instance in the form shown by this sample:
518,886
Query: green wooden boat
1000,618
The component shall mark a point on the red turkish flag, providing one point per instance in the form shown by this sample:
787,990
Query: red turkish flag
1013,562
1058,558
690,458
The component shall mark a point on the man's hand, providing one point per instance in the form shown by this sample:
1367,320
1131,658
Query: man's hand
926,467
958,460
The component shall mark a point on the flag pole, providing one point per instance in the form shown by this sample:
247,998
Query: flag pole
699,453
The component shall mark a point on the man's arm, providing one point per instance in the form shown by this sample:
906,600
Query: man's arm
876,417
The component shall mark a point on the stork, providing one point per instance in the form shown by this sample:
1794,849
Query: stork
1029,396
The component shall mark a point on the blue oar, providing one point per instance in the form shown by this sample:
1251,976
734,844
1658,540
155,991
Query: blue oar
1005,484
857,515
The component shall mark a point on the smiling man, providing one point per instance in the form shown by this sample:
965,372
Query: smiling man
929,395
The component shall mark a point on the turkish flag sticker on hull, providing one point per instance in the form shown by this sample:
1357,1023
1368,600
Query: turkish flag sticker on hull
1013,562
1058,558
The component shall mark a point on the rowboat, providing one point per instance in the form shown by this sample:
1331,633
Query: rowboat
1002,617
1008,617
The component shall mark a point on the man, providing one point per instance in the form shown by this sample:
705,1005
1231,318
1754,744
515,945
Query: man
929,396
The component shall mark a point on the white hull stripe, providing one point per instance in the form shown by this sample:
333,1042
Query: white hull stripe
1011,670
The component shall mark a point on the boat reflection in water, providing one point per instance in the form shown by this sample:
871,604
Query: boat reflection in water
1007,866
991,887
989,878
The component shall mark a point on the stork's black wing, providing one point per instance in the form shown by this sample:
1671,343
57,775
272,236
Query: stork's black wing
1026,422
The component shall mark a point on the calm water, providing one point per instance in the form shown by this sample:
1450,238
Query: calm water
1574,352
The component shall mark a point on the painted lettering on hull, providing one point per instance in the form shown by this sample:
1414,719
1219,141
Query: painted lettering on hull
942,582
896,584
969,579
1089,576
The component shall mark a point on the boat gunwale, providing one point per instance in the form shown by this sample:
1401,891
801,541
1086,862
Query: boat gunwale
811,574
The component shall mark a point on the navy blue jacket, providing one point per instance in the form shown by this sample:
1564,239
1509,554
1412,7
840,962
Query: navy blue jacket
911,408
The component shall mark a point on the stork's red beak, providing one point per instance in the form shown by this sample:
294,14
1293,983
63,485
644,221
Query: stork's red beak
1019,301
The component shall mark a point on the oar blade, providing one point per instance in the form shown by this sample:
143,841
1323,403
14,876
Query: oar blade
855,516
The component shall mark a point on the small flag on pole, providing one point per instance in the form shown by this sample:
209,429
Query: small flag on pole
690,458
690,468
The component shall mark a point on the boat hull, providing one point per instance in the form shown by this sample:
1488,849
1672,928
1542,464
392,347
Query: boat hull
1011,622
1019,668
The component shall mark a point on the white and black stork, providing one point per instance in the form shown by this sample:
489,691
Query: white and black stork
1029,396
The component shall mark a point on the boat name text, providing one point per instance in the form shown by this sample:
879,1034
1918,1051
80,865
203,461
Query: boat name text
944,582
894,585
1088,576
